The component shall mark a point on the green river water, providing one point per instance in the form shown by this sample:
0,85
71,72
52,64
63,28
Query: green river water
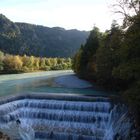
37,82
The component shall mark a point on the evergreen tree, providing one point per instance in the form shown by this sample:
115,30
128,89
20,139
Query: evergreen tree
85,65
107,56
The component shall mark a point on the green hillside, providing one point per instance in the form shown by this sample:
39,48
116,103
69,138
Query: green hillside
23,38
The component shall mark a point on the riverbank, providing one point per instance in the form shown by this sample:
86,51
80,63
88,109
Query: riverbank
3,136
72,81
5,77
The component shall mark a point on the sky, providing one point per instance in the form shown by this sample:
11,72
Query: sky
69,14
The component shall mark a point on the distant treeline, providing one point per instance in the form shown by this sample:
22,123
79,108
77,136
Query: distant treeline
112,58
18,64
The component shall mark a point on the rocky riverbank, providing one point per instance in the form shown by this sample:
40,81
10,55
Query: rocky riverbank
3,136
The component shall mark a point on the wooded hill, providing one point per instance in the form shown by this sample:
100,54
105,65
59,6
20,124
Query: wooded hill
36,40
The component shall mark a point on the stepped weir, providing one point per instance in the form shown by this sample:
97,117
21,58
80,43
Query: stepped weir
63,117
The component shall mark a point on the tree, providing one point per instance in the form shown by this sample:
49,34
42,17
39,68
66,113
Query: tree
42,63
17,62
28,63
12,63
36,63
129,68
69,63
85,64
76,61
107,56
53,62
1,60
48,62
128,9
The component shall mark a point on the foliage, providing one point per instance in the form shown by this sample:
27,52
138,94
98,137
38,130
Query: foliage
1,60
85,60
113,58
107,56
129,9
16,64
40,41
12,63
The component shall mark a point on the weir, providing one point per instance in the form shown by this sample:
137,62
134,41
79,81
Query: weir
63,117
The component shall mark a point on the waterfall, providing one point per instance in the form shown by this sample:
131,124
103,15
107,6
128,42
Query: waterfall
65,118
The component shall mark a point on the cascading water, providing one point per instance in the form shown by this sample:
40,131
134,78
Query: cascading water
65,118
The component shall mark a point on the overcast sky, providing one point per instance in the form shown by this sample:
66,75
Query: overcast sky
70,14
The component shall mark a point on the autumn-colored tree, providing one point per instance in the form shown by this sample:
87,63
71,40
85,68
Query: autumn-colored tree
12,63
1,60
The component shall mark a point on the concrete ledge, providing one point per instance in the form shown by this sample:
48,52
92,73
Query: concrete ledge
53,96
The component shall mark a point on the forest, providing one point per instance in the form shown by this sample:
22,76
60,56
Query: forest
23,38
112,58
20,64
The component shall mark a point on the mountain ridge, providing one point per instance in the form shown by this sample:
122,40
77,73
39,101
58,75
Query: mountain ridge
38,40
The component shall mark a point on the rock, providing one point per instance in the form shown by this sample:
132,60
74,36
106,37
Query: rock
3,136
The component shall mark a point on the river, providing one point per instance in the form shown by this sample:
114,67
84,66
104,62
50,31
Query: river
48,82
43,108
